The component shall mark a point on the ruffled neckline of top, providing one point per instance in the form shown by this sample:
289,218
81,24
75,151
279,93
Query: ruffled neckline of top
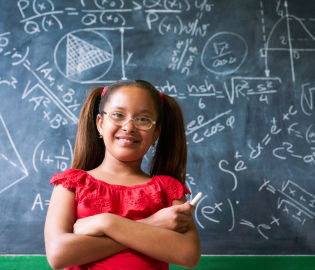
145,199
113,186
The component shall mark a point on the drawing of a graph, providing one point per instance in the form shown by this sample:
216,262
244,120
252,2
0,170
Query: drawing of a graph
84,56
10,159
281,40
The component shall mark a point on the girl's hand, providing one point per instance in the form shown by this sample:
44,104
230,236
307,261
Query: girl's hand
92,226
173,218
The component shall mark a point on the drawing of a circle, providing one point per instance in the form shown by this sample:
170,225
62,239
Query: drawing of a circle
83,55
224,53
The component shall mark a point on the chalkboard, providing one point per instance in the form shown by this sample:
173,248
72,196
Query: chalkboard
243,72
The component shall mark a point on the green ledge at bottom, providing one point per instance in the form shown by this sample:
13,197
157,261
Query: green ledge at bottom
39,262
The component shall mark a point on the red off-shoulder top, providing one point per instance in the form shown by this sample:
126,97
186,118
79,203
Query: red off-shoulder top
133,202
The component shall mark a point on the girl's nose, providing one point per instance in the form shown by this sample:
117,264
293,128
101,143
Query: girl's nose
129,126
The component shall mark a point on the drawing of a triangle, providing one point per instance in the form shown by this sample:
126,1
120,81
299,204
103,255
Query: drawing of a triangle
82,55
12,168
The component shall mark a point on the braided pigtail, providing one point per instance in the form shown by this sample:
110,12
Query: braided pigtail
89,150
170,157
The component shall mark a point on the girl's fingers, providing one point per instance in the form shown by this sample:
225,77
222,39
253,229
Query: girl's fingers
185,207
186,217
182,229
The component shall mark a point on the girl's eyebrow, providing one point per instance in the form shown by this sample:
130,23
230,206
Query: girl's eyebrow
122,108
146,111
117,108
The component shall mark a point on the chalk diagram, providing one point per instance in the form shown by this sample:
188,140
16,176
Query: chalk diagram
84,55
224,53
9,159
285,42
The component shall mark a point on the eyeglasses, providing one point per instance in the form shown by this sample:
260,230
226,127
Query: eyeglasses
121,120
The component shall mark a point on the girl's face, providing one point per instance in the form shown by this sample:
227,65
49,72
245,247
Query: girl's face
128,143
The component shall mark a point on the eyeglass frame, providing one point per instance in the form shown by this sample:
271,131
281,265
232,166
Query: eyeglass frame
133,121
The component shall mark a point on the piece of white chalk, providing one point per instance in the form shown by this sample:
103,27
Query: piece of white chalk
196,199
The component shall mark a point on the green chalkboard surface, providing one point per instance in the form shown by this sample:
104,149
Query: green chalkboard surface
243,72
206,263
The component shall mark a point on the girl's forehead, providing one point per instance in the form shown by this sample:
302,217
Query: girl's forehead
129,96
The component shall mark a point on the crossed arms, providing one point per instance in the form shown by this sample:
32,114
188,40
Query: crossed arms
169,235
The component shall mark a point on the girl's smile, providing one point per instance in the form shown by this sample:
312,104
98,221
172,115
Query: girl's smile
127,140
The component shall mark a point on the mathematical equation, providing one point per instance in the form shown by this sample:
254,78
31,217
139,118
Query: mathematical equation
293,200
43,158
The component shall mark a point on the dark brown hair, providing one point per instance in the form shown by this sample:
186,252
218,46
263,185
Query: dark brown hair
170,156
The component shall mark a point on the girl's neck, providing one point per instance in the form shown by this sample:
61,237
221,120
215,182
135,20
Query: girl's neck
116,167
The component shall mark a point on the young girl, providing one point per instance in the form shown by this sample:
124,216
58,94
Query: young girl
105,212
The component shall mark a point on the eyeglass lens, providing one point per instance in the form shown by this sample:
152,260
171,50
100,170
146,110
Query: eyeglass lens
139,122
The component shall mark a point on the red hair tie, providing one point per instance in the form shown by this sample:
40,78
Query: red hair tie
104,90
161,97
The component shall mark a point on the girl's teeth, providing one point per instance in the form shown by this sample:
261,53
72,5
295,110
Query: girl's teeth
125,140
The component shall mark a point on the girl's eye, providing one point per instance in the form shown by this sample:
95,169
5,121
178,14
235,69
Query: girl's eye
117,115
143,119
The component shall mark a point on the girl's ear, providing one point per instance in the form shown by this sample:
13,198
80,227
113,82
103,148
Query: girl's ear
99,123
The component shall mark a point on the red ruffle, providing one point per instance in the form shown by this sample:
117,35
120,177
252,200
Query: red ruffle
152,196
